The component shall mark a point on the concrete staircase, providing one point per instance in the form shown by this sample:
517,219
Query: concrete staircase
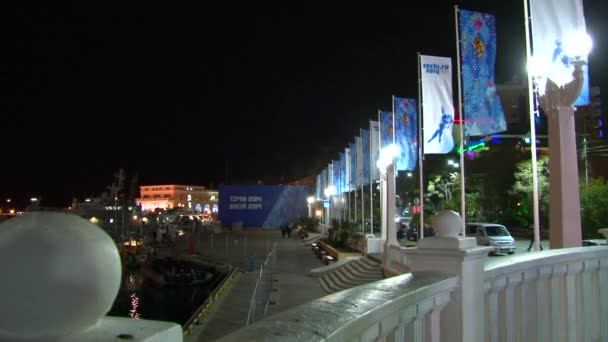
358,272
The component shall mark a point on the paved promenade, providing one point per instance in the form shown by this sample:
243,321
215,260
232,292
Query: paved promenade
291,284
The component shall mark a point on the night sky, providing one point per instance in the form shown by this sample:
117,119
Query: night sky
214,91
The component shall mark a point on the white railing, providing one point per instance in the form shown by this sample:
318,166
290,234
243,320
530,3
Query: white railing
406,307
556,295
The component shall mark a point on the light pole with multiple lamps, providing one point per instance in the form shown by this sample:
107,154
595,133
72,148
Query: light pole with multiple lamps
564,198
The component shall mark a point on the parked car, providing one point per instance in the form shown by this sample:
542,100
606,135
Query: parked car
594,242
412,232
492,234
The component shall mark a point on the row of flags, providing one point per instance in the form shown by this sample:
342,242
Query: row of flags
483,111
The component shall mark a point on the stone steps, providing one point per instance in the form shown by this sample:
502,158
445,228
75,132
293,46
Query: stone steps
358,272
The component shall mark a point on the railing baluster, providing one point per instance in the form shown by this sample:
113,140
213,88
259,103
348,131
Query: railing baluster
420,327
440,302
603,309
541,303
557,300
493,319
571,294
405,330
528,276
513,280
590,267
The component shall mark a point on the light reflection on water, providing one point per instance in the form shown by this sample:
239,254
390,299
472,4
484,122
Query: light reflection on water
134,304
139,298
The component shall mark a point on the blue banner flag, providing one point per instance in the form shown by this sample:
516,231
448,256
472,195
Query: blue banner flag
437,105
482,108
323,182
374,136
386,129
556,27
336,176
327,178
353,166
342,172
359,161
406,133
318,185
365,167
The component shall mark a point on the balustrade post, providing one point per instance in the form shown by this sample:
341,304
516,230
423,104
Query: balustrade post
448,252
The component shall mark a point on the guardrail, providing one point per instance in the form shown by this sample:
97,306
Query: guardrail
263,287
205,308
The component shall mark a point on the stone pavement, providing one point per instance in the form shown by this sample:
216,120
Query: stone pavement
291,284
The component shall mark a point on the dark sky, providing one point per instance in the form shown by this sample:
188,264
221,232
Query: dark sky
212,91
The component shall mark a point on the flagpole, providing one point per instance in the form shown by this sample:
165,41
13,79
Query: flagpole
420,154
362,183
383,225
362,209
391,220
355,192
462,179
371,180
532,132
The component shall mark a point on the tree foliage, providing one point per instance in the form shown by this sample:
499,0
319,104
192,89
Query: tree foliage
523,189
594,204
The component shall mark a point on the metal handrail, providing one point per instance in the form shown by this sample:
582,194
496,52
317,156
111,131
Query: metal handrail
257,283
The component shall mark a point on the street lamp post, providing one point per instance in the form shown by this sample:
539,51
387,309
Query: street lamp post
564,197
329,192
310,201
386,165
557,103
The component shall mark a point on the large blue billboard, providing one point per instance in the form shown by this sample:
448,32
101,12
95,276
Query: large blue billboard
265,206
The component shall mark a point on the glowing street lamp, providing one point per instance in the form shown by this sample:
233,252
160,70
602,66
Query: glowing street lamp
386,166
329,192
310,201
557,103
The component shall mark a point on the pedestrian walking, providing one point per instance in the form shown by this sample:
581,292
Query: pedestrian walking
532,240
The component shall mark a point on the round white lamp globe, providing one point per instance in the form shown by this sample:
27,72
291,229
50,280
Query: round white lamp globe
60,275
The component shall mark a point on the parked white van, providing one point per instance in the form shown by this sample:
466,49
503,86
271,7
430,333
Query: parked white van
492,234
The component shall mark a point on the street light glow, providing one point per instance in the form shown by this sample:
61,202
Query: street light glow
387,154
310,200
330,191
578,44
537,67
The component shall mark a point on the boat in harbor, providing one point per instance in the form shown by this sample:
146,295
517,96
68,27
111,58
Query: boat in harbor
169,271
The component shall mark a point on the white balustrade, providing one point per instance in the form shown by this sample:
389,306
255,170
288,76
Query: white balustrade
455,293
406,307
563,296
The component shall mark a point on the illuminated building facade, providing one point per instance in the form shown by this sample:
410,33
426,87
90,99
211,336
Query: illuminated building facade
190,197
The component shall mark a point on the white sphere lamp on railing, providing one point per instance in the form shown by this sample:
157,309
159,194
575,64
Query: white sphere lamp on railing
60,276
447,225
